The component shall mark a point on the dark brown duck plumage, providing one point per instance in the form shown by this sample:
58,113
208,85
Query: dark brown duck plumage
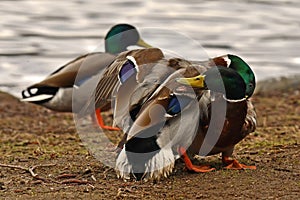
240,120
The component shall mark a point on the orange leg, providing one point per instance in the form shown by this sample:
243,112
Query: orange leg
101,122
189,165
234,164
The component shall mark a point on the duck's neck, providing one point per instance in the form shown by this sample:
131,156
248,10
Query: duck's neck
234,100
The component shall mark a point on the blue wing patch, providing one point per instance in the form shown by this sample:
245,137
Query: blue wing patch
128,70
177,103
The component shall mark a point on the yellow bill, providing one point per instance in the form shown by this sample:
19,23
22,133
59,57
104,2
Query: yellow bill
142,43
197,81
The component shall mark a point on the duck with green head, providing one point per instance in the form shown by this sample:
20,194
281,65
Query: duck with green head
169,125
233,89
56,91
120,37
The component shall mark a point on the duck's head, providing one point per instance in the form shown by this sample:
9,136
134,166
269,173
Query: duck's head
241,67
219,79
121,36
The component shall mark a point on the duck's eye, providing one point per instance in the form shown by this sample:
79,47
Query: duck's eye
197,79
250,85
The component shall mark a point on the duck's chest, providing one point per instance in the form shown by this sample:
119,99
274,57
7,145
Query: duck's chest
220,130
235,118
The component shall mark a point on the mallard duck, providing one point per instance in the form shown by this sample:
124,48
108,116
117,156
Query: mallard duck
55,92
239,119
167,117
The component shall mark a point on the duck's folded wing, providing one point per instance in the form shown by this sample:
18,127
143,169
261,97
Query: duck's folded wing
109,81
110,78
78,70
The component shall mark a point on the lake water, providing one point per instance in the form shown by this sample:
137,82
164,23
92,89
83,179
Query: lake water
37,36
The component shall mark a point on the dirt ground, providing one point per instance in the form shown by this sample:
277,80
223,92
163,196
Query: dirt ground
42,157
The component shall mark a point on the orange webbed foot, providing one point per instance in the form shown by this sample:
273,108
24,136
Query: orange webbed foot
101,122
234,164
189,165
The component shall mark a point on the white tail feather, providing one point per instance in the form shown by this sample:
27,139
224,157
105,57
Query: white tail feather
41,97
160,165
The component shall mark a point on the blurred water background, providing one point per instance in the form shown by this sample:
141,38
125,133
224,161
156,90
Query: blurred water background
37,36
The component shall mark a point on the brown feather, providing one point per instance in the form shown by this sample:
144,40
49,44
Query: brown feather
109,80
66,75
218,61
240,120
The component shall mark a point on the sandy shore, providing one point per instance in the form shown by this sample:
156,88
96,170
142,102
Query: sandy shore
32,136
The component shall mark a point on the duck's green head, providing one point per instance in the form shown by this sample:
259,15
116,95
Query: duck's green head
219,79
120,36
244,70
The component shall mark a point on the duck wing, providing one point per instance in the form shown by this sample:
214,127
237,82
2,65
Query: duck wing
85,66
110,81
